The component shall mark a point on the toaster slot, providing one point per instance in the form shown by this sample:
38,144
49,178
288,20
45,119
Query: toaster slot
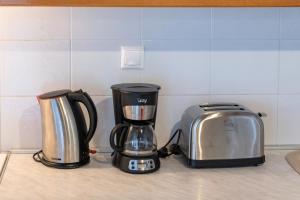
219,105
222,108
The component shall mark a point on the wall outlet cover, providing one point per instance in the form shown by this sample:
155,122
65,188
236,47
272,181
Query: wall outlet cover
132,57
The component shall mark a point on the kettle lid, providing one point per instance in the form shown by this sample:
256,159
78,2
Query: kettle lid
54,94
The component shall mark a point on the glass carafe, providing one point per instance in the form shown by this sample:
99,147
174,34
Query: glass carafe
140,141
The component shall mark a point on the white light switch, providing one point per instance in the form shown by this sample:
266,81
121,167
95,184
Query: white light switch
132,57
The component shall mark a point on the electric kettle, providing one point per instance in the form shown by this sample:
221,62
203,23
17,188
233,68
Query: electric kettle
65,141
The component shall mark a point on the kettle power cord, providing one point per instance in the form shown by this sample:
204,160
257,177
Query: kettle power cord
174,148
36,156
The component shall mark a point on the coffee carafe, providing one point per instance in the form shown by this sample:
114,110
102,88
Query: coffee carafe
65,134
133,138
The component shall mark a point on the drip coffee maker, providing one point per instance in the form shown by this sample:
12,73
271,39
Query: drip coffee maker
133,138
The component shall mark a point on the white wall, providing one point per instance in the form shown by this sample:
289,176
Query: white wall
245,55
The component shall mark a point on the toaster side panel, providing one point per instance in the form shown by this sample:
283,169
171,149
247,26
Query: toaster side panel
226,135
190,115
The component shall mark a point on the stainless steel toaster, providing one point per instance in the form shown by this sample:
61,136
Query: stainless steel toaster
222,135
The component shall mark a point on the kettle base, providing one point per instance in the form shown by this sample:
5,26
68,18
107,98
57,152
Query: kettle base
65,165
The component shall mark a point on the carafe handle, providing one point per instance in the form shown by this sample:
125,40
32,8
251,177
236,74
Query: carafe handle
114,131
87,101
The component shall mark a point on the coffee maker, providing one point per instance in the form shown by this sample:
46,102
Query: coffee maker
133,139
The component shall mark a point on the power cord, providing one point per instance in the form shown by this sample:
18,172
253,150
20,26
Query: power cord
164,151
36,157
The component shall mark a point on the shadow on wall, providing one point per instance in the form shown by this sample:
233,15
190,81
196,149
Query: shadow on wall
105,124
30,131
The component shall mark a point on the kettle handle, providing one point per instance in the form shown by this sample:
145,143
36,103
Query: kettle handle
87,101
114,131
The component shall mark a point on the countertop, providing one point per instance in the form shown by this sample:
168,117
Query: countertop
26,179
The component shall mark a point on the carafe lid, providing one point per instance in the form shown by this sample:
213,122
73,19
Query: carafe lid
53,94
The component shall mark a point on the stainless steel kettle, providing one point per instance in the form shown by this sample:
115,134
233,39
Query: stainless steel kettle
65,134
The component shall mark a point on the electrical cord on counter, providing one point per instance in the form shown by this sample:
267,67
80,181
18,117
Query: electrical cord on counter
36,157
164,151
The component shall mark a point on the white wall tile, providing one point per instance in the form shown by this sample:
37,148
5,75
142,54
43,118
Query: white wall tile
290,23
34,23
245,23
176,23
33,67
244,66
20,123
288,119
180,67
106,23
257,103
169,112
289,74
96,65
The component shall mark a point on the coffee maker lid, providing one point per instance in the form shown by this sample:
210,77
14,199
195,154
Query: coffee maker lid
136,87
54,94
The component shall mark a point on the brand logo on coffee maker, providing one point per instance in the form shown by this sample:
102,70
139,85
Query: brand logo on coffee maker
140,100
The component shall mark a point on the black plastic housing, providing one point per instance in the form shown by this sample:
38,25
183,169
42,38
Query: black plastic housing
133,94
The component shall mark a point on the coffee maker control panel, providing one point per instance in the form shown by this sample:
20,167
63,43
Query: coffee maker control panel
141,165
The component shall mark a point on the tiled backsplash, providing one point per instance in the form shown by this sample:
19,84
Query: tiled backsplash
245,55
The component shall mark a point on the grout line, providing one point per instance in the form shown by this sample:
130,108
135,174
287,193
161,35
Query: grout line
153,39
142,43
282,147
278,80
33,40
185,39
3,169
141,23
71,49
211,52
179,95
24,151
212,21
280,28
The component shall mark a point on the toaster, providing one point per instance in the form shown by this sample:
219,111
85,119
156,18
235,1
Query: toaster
221,135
